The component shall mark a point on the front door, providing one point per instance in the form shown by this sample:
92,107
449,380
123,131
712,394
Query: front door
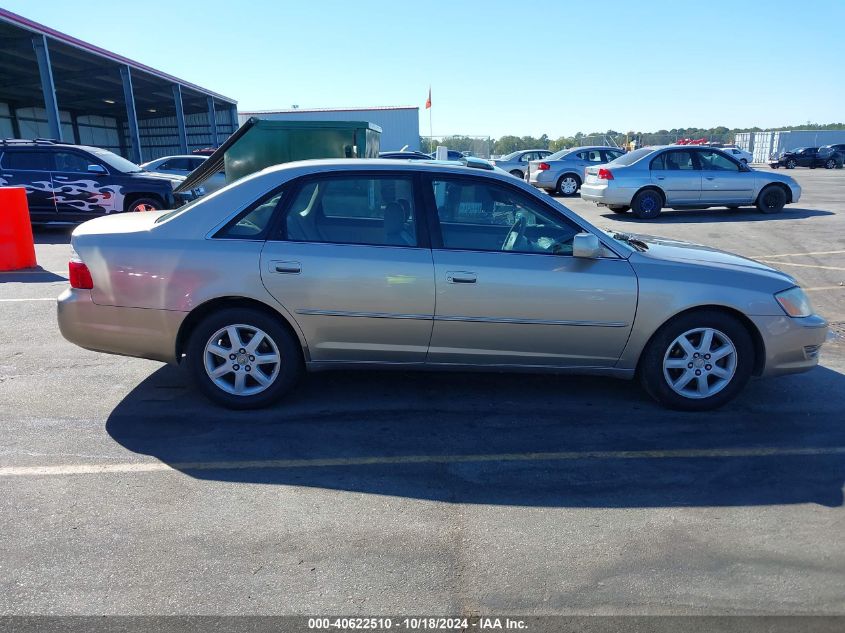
351,264
722,181
509,291
80,193
676,173
30,168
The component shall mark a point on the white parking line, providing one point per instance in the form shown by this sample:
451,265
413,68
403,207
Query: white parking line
824,288
801,265
803,254
27,299
286,464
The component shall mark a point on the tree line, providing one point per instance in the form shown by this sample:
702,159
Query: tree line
506,144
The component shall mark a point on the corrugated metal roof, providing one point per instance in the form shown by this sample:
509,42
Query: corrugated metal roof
355,109
36,27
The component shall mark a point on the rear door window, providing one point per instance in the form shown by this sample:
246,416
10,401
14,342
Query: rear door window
679,160
28,160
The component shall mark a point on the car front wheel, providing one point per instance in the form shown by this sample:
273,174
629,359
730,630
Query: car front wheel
791,164
771,200
698,361
243,358
144,204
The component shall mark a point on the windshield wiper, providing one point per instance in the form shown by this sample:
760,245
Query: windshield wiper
630,239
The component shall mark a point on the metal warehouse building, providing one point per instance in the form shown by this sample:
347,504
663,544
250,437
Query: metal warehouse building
400,125
764,145
56,86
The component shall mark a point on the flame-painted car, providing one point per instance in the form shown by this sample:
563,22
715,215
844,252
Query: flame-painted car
73,183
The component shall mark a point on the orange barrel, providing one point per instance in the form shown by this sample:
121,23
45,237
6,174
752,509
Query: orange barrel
17,248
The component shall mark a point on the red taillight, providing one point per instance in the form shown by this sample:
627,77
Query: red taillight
543,166
79,275
605,174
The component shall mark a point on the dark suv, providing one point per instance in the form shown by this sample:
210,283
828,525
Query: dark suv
831,156
73,183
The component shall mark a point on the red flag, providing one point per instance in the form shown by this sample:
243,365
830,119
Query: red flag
428,101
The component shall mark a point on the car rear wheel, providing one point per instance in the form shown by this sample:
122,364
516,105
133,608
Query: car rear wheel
791,164
771,200
517,173
829,163
243,358
647,204
568,185
698,361
619,209
145,204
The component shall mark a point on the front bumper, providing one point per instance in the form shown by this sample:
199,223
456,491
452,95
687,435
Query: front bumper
791,345
139,332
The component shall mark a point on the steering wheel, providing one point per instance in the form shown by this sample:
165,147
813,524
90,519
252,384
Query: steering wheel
516,233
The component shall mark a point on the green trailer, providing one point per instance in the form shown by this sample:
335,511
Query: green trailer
261,143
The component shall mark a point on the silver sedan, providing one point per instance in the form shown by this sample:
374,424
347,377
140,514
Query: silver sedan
516,163
562,173
649,179
339,264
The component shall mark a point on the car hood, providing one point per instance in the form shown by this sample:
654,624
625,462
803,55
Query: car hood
669,250
159,177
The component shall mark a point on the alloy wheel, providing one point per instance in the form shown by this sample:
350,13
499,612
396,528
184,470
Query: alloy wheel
242,360
700,363
143,207
568,186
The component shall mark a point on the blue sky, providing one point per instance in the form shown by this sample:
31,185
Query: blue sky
495,67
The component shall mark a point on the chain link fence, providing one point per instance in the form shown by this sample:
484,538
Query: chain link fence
480,146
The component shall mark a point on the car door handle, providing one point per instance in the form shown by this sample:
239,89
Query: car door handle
710,177
60,177
285,268
461,277
661,177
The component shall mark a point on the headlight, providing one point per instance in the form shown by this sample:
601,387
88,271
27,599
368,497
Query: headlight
794,302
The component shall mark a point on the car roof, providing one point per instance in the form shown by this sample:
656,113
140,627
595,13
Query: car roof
179,156
13,143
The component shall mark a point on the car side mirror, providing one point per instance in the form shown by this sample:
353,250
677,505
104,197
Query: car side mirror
744,167
96,169
586,245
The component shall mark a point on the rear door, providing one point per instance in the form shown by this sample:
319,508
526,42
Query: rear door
350,261
509,291
677,174
722,181
30,168
81,194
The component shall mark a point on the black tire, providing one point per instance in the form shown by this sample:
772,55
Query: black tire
829,163
145,204
647,204
775,166
619,209
771,200
791,164
566,182
517,173
290,366
653,377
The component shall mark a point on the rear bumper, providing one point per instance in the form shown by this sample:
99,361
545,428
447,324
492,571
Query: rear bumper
543,179
138,332
603,194
791,345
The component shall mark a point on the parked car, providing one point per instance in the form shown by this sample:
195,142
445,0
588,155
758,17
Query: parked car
648,179
740,154
517,162
831,156
563,172
184,165
71,183
379,263
798,157
451,155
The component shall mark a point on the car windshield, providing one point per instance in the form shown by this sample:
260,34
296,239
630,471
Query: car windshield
632,157
118,162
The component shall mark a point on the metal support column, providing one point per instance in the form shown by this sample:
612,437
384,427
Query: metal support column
45,69
212,122
233,113
131,115
182,132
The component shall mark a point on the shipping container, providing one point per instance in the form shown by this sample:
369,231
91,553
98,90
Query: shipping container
769,144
